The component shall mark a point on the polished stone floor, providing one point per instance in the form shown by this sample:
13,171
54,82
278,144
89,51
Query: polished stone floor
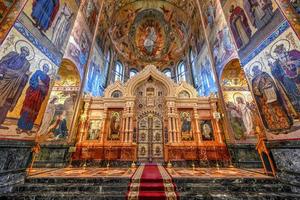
217,173
81,172
128,172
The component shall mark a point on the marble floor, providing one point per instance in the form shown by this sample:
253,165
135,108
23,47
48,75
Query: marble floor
128,172
80,172
217,173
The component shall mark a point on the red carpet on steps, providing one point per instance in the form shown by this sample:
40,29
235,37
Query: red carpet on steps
151,182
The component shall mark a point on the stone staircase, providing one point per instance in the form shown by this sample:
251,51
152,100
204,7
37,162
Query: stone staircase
233,189
108,188
115,188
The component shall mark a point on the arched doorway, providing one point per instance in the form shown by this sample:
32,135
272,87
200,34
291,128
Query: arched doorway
150,138
150,109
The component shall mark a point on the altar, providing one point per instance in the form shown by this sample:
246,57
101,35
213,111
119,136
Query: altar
150,118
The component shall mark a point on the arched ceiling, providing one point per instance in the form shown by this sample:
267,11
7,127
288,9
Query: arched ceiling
146,32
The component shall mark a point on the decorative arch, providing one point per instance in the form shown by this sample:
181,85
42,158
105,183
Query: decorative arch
172,89
185,87
117,86
149,71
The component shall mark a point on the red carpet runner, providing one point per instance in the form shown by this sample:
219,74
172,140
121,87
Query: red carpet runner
151,182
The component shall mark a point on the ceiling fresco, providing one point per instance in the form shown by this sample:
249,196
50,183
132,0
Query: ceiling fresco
144,32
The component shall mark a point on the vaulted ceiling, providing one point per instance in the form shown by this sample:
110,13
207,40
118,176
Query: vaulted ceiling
149,31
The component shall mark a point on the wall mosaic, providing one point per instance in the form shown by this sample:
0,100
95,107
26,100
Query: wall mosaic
274,78
50,21
291,9
9,11
241,109
26,78
250,23
79,44
97,73
58,117
218,34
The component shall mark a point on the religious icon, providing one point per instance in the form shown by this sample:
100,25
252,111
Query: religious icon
143,136
44,13
157,151
285,68
259,12
59,129
143,151
35,96
115,125
211,13
150,40
186,127
236,121
239,26
245,111
270,103
95,127
48,116
206,130
157,137
62,26
14,74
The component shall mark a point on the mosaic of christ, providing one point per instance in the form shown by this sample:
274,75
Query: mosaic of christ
149,38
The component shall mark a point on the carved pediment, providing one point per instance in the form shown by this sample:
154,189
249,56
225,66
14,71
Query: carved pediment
173,89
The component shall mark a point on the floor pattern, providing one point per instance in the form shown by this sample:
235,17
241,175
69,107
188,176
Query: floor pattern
81,172
128,172
217,173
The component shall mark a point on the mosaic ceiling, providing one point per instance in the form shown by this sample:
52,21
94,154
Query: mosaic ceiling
149,31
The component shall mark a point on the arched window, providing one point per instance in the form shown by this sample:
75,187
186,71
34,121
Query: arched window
132,73
167,72
192,57
118,71
181,70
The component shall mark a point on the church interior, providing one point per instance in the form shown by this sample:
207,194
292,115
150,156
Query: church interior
149,99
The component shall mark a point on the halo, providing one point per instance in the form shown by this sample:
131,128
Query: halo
52,71
23,43
249,70
285,43
238,94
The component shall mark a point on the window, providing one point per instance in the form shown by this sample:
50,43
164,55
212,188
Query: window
192,57
132,73
118,71
117,94
168,73
181,72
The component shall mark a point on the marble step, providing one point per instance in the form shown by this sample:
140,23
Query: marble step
63,196
99,180
238,196
225,181
152,187
190,187
71,187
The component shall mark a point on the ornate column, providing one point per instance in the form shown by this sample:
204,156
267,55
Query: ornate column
103,134
170,128
216,116
130,117
170,137
196,120
84,121
126,124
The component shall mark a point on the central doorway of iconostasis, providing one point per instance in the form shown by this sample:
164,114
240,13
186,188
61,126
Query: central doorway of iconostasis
150,109
150,140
